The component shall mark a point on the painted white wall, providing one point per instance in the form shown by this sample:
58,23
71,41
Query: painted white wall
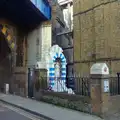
32,48
46,40
39,41
66,16
67,12
71,10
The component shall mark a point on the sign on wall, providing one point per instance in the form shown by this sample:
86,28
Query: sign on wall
106,85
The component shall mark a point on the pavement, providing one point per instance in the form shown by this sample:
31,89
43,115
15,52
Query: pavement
45,110
7,114
113,116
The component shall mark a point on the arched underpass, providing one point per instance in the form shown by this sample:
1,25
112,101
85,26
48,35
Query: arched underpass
5,62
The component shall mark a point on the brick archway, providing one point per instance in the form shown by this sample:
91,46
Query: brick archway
5,62
7,50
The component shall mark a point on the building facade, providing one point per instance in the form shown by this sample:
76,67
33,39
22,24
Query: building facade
96,35
16,24
62,32
67,9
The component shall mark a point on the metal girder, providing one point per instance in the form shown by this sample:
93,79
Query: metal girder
64,33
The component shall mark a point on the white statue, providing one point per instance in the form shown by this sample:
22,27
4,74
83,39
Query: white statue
57,69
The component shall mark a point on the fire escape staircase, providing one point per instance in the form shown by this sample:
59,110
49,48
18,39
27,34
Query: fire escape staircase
59,84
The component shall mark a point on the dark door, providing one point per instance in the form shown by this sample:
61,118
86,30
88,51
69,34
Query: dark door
30,82
5,62
70,78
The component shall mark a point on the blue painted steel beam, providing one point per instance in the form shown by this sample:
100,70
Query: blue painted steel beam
22,12
44,7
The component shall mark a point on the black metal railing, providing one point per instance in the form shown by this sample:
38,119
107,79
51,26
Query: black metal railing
114,86
82,86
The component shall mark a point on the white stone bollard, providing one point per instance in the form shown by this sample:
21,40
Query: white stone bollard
6,88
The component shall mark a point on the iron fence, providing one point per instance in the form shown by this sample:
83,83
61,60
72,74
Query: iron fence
114,86
41,83
82,86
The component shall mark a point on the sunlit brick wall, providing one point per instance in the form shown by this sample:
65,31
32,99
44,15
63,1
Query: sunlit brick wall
96,34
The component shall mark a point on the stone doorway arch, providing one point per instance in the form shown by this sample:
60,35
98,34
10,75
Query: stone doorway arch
5,62
7,50
57,84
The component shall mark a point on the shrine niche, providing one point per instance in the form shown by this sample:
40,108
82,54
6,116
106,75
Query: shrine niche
57,70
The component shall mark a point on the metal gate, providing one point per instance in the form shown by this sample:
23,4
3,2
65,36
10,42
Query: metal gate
30,82
115,85
82,86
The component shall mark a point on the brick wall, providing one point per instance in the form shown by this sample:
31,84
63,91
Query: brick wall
17,79
19,82
96,34
114,103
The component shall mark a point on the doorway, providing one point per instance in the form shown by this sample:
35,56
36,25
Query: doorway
30,82
5,62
